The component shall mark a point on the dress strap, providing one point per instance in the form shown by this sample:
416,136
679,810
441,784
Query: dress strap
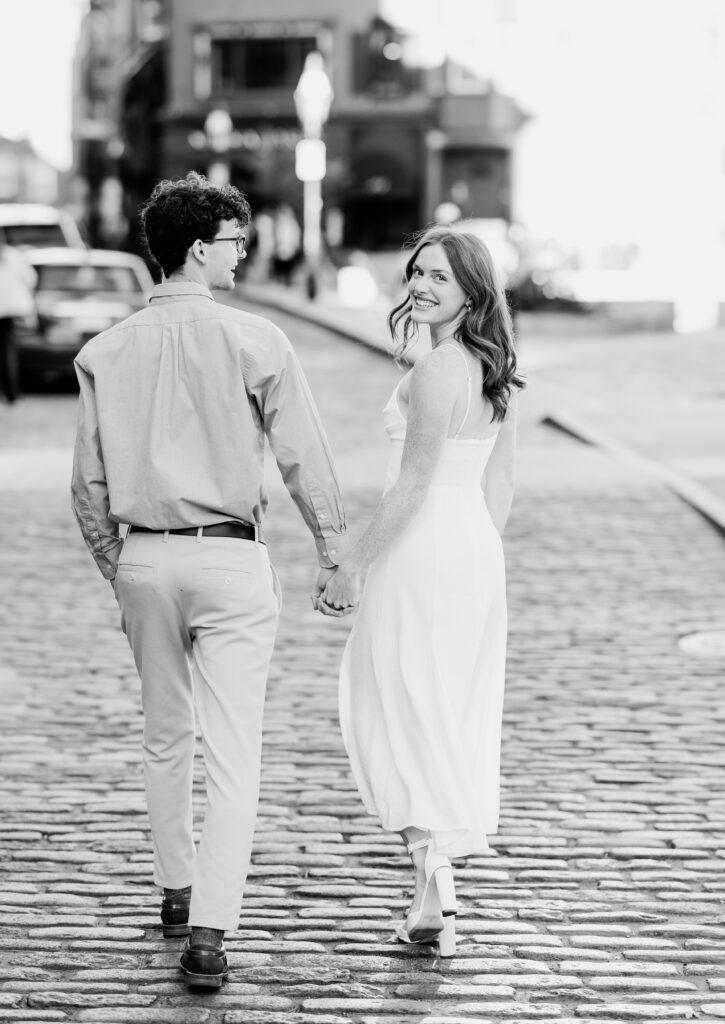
458,349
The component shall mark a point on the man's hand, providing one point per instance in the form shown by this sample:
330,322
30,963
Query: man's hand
323,578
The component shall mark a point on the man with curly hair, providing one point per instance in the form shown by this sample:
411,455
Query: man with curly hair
175,403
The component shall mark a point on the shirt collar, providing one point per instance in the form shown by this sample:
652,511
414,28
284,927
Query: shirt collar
177,289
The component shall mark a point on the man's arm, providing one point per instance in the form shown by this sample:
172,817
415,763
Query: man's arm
89,491
299,444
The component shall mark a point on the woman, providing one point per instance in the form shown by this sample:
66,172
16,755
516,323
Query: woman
423,670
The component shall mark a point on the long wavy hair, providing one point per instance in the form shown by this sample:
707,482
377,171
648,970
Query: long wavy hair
486,329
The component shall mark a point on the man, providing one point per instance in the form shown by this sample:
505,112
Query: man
174,406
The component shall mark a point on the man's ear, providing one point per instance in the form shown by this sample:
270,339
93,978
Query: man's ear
198,250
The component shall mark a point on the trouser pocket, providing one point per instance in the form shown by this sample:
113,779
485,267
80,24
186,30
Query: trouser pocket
276,585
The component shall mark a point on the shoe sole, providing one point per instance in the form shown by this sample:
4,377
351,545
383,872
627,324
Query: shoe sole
175,931
424,934
204,980
427,929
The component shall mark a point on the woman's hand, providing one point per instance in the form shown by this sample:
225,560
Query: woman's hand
342,593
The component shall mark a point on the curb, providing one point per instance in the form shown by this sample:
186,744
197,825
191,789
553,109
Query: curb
692,493
312,314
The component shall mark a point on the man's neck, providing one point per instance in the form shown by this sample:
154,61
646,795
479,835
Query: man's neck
187,275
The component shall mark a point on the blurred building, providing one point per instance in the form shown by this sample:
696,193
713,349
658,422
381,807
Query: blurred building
401,139
24,176
118,52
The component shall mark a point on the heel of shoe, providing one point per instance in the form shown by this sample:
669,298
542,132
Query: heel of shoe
447,938
446,890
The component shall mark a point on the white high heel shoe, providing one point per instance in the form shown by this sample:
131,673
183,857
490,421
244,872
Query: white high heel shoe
447,938
436,916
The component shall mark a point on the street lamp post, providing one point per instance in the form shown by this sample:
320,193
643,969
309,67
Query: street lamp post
313,97
218,127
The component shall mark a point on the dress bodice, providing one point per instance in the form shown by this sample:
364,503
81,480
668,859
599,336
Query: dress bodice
462,462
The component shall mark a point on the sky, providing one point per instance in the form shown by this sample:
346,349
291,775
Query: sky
37,43
624,137
626,129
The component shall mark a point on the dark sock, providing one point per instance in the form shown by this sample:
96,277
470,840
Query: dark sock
207,937
172,894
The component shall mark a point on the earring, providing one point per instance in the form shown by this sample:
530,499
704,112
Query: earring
469,305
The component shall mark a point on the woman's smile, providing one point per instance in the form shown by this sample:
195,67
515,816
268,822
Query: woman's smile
436,297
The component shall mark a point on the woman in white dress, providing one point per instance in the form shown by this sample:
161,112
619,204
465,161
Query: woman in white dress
422,676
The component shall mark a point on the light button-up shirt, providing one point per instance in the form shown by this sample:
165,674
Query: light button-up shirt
175,403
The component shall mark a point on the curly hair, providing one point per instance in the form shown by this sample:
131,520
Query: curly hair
181,210
487,328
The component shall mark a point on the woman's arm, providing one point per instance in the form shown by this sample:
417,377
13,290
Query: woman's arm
498,481
430,408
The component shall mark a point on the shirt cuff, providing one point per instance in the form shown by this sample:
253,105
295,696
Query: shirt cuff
331,549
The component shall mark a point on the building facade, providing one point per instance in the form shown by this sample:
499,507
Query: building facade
399,140
24,176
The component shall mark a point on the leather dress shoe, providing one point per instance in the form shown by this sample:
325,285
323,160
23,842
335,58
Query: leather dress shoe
175,916
204,965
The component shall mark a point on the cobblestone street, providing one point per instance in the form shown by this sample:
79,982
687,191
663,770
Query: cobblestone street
604,896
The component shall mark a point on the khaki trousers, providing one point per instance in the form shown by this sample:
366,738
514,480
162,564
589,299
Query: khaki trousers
201,614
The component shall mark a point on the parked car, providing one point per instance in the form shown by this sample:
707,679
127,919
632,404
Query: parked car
79,293
26,225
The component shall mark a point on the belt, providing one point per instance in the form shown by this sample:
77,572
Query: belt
242,531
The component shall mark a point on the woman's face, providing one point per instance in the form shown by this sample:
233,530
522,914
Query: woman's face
438,299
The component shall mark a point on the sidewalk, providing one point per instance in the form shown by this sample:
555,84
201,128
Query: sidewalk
603,898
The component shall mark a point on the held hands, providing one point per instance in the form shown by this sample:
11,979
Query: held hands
338,591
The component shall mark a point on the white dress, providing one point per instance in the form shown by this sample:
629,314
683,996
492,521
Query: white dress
422,675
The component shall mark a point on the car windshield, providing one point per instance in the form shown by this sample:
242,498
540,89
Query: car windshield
86,279
36,236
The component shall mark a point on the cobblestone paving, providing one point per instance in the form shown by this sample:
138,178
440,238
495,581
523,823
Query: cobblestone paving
603,899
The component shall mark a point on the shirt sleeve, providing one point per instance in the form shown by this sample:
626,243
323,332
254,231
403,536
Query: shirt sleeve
299,443
89,490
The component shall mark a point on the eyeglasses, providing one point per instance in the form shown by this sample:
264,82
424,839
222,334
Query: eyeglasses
238,239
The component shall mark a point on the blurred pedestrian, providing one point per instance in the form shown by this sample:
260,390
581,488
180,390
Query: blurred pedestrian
264,250
175,403
287,244
422,675
17,281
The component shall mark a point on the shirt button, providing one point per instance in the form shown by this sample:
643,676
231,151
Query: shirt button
227,579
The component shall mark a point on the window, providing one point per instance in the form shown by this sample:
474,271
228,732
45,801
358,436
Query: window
378,65
37,236
239,65
87,279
